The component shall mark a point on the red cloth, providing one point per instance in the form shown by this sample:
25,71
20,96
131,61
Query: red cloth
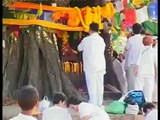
14,28
125,4
130,17
123,26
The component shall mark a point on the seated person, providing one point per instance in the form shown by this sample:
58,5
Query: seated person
58,111
120,72
87,111
150,111
28,98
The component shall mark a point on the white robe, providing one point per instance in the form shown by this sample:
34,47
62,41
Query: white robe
94,65
120,72
56,113
21,116
152,115
94,112
155,91
146,72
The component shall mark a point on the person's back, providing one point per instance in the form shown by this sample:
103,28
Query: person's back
94,64
145,70
28,98
147,61
93,52
58,111
94,112
87,111
21,116
134,47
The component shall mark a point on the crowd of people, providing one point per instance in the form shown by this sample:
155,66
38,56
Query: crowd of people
135,70
28,101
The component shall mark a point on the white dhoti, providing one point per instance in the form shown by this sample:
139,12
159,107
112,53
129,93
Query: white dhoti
146,84
95,86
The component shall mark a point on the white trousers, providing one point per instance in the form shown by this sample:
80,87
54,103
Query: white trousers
131,77
146,84
95,86
155,92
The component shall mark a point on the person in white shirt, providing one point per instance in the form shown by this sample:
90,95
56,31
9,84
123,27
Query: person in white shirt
155,91
155,42
145,69
28,98
150,111
87,111
94,64
119,70
133,47
58,111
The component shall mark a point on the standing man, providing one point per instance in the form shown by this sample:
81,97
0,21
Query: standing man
93,47
133,48
155,47
146,69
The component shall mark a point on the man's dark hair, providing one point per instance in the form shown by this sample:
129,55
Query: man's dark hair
27,97
73,100
58,96
148,105
94,27
143,32
137,28
115,54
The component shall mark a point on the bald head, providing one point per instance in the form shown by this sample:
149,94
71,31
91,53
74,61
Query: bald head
147,40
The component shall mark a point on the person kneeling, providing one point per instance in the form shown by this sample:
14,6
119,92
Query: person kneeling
28,99
58,111
87,111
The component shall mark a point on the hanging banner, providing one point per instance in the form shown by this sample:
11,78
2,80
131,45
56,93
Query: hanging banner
153,10
150,27
41,23
130,17
141,14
